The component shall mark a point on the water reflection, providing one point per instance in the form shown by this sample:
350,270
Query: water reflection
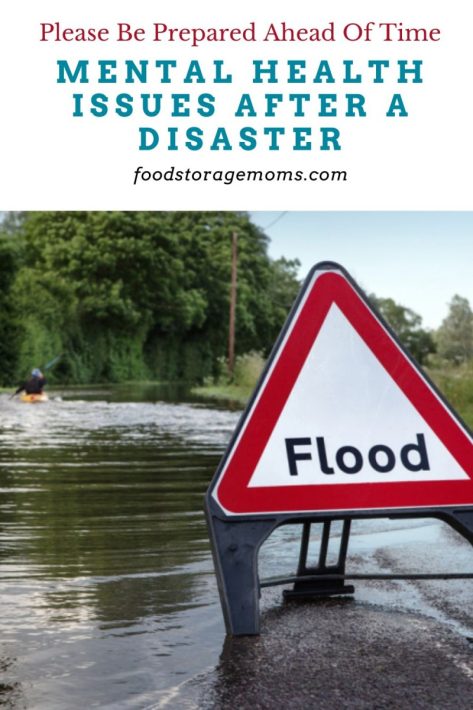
11,694
107,586
103,545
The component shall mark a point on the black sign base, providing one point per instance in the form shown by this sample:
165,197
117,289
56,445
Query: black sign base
235,547
316,585
236,542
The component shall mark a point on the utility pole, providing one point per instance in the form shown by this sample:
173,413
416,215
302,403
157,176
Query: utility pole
233,296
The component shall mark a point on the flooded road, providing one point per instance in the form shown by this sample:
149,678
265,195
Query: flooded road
106,583
106,580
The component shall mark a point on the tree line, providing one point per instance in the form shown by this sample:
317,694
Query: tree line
134,295
145,295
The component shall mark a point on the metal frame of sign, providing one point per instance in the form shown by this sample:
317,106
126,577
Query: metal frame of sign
236,535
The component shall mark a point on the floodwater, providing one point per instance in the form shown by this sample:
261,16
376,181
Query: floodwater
107,588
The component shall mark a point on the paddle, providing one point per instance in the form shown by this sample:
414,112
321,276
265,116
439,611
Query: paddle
52,362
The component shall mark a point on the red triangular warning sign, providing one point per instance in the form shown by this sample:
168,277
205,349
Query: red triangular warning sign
343,420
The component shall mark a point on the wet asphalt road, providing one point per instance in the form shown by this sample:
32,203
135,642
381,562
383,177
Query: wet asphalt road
341,654
394,644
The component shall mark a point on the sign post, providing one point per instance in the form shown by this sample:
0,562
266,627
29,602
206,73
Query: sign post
343,424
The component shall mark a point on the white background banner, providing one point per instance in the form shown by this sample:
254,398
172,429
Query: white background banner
219,139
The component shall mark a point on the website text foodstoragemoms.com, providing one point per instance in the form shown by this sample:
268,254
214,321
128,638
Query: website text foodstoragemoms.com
228,177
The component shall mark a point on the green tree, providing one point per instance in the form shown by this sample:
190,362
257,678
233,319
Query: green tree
9,331
408,327
137,294
455,335
205,250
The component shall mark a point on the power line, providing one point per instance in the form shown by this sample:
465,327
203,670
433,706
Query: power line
271,224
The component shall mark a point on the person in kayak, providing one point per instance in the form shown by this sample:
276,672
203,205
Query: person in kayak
35,383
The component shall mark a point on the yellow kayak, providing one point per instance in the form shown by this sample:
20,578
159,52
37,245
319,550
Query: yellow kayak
33,398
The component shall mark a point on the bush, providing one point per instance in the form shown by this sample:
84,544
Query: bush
456,384
248,368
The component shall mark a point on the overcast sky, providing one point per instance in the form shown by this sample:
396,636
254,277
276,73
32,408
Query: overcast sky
421,259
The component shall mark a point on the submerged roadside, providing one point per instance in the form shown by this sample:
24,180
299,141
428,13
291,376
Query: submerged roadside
394,644
341,654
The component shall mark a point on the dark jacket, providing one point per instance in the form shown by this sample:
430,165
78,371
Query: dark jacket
32,386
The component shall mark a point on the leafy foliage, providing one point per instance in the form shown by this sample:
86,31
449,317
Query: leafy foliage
408,326
9,332
135,295
128,295
455,335
456,383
